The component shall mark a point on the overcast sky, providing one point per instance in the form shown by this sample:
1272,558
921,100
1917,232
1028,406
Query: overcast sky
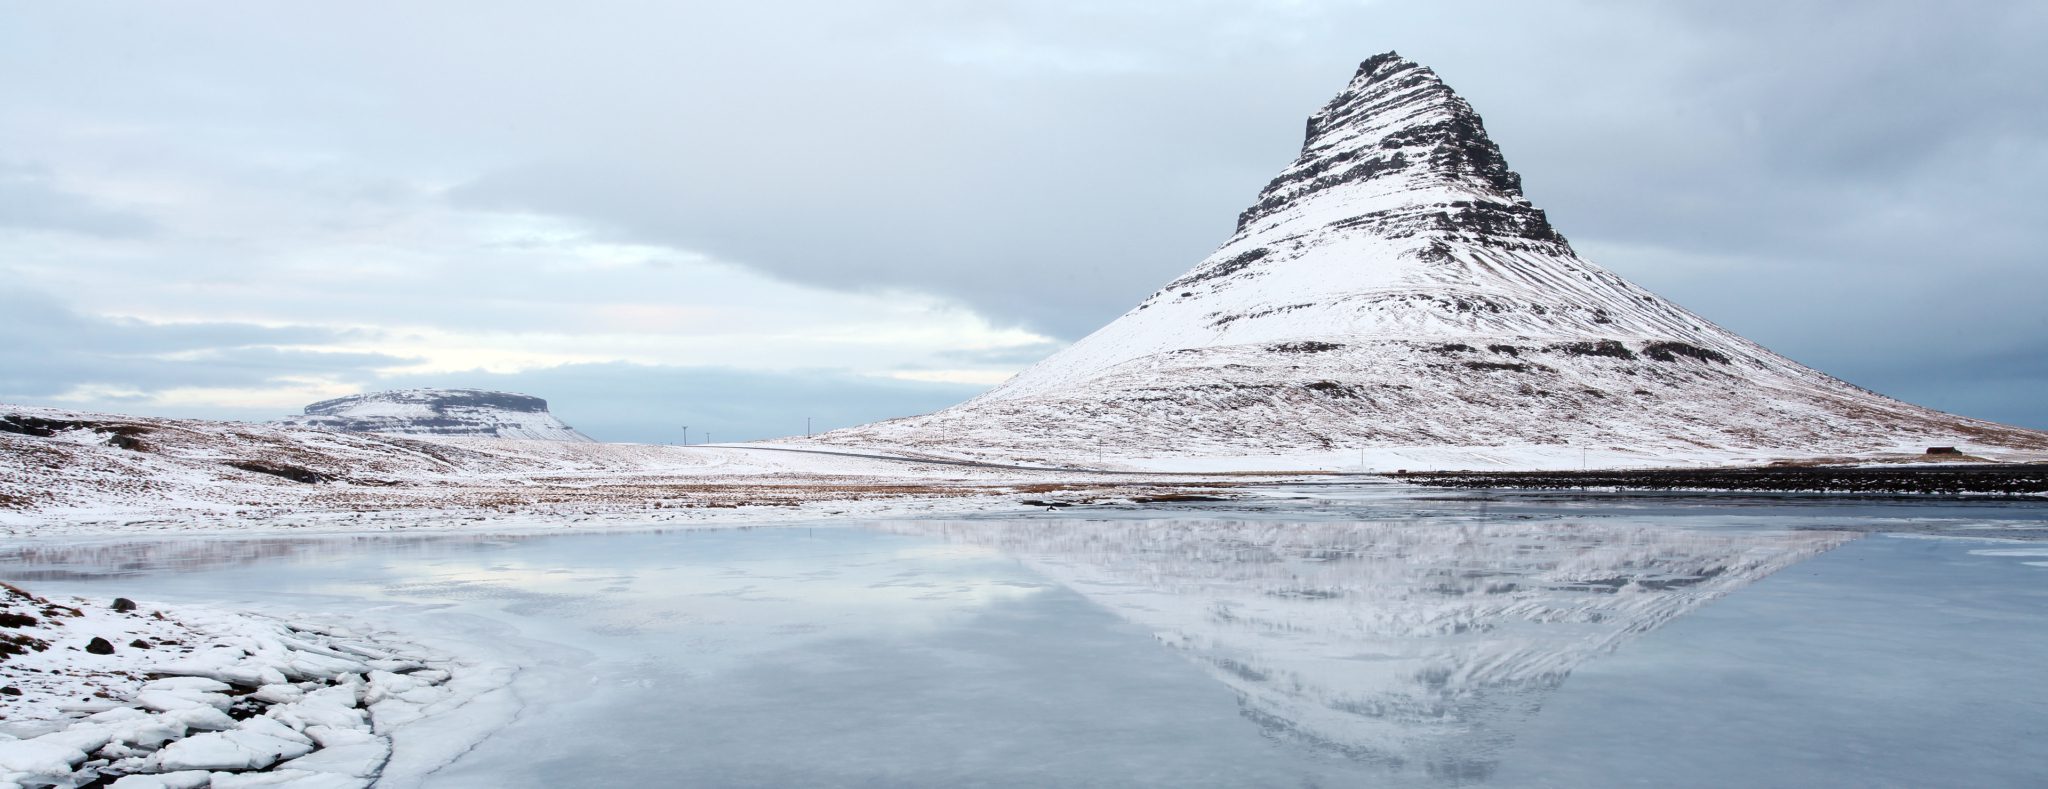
737,215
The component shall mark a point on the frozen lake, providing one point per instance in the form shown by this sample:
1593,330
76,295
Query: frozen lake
1343,636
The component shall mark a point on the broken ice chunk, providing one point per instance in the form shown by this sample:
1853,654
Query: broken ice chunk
231,750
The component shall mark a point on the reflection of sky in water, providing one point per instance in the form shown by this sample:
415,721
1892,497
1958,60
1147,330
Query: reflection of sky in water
1451,641
1891,662
728,586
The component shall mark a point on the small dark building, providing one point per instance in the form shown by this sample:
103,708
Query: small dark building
1943,451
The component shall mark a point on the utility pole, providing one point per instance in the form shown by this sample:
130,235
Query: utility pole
686,435
807,427
707,436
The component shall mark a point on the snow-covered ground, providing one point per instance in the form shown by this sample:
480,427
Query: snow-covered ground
1217,460
136,694
74,473
65,472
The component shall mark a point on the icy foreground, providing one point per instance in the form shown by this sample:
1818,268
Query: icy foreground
1205,645
439,412
1393,292
139,696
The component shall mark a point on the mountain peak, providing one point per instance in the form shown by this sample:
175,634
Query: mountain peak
1384,61
1395,128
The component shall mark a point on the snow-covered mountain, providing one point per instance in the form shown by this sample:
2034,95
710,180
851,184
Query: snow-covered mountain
1393,294
439,412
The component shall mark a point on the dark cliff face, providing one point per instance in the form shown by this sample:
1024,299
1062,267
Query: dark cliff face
440,400
1387,84
1398,120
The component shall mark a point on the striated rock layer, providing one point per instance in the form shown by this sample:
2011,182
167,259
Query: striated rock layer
1393,290
439,412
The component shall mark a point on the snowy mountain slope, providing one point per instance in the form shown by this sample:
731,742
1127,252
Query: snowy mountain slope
439,412
1393,289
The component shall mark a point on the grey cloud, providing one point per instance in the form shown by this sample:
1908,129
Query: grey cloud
2002,383
42,321
53,349
645,403
29,200
1813,129
1022,354
46,350
1854,137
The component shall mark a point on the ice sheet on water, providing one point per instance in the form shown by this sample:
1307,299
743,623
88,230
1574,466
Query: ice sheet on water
1202,649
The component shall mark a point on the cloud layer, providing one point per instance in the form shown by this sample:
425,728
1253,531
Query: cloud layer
221,209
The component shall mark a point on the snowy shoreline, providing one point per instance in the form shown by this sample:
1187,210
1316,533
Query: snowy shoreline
67,473
586,517
137,694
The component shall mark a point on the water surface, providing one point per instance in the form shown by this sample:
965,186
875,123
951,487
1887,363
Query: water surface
1342,637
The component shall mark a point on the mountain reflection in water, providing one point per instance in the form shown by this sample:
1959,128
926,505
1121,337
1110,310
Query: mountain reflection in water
1420,647
1416,649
